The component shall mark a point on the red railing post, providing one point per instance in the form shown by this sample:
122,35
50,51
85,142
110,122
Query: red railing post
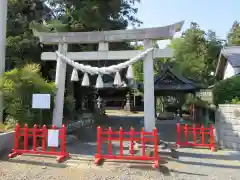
186,134
44,137
98,155
63,132
143,142
109,140
121,140
35,137
155,138
63,153
16,137
178,134
212,143
202,134
131,141
194,135
25,142
16,142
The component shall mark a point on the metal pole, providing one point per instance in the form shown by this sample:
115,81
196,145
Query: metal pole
3,26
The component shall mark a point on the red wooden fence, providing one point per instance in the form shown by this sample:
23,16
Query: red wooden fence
36,133
109,136
204,134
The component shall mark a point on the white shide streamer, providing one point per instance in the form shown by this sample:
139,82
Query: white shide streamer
74,76
103,70
85,81
117,79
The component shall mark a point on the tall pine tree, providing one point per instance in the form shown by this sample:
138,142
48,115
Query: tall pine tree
234,34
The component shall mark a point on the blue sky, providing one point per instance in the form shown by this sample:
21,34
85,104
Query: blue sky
217,15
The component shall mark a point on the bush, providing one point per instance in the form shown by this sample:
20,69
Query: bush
235,101
191,99
226,90
17,86
2,127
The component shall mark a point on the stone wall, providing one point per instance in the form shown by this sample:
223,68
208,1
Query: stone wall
6,141
85,120
228,126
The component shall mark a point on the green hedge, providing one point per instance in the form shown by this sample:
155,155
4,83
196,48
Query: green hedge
226,90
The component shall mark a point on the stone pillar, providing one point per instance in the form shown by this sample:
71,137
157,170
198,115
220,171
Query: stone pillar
60,85
149,109
3,23
100,105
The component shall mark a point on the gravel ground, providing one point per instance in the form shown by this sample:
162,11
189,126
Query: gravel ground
192,164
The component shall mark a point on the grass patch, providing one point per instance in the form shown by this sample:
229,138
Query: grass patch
5,128
2,128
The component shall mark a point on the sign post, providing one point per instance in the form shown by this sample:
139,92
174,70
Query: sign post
53,138
41,101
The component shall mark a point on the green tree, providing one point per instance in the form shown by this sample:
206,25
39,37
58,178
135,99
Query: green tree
227,91
234,34
17,86
214,47
138,66
91,15
21,46
190,51
56,16
196,53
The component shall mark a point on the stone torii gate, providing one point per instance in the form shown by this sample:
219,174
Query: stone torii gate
103,38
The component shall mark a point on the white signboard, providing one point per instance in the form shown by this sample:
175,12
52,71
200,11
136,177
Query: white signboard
205,95
53,138
41,101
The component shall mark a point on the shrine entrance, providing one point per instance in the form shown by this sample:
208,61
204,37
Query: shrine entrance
170,91
103,38
172,87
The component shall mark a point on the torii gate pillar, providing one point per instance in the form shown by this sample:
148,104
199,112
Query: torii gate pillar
149,100
60,79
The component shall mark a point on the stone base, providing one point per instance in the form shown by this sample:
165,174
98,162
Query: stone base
128,107
6,141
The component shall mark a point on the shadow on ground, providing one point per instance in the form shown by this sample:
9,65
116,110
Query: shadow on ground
207,164
37,160
233,157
